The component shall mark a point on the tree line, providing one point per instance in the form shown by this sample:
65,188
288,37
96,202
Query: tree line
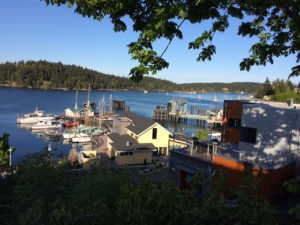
49,75
279,90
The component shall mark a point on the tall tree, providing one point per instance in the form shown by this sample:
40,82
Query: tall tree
4,150
274,23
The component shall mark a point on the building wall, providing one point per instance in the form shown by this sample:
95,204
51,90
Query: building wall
277,134
110,152
162,140
183,166
231,110
136,158
270,181
70,113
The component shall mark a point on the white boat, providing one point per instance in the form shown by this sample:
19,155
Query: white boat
42,125
145,91
81,137
34,117
215,98
199,97
70,133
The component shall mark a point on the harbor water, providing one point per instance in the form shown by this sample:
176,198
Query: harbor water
17,101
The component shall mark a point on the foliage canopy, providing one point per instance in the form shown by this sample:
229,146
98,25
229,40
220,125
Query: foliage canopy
275,24
44,194
48,75
4,150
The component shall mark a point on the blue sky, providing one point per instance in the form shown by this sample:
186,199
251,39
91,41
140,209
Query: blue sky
30,30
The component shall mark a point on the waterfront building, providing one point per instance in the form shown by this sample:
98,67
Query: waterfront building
126,150
261,136
137,136
80,112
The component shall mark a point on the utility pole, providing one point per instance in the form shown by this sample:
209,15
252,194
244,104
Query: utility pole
10,150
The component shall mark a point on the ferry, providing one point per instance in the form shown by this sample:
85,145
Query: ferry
34,117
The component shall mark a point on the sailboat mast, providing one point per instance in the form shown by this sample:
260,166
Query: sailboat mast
99,113
76,107
103,106
88,107
110,104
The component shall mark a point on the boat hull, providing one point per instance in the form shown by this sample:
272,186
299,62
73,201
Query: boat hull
32,120
81,139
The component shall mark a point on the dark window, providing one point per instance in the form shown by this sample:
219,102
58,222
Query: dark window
234,123
248,135
154,133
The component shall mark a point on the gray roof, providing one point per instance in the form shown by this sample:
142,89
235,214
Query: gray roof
120,143
139,124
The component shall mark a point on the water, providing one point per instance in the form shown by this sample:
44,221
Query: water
19,101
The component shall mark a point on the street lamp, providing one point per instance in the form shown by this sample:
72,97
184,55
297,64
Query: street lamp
10,150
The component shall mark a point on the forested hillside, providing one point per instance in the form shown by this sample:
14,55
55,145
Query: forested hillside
48,75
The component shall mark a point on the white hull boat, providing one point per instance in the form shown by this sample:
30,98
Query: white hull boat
34,117
69,135
42,125
81,137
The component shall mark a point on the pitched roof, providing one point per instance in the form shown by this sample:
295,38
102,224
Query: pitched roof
139,124
120,143
81,109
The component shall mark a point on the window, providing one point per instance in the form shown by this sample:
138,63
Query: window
154,133
234,123
248,135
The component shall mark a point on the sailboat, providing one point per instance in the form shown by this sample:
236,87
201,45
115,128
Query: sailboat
215,98
74,124
82,136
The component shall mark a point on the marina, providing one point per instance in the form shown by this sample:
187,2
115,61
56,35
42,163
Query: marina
55,102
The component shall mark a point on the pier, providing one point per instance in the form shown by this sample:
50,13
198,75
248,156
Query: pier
176,112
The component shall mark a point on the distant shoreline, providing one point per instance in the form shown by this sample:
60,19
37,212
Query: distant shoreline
140,90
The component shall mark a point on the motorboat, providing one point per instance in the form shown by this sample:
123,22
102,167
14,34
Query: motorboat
81,137
34,117
70,133
42,125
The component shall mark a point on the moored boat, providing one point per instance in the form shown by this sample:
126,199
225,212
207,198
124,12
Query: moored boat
81,137
34,117
42,125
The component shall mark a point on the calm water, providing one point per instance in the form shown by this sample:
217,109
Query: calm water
20,101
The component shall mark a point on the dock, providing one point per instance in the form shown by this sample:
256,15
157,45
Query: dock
177,112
